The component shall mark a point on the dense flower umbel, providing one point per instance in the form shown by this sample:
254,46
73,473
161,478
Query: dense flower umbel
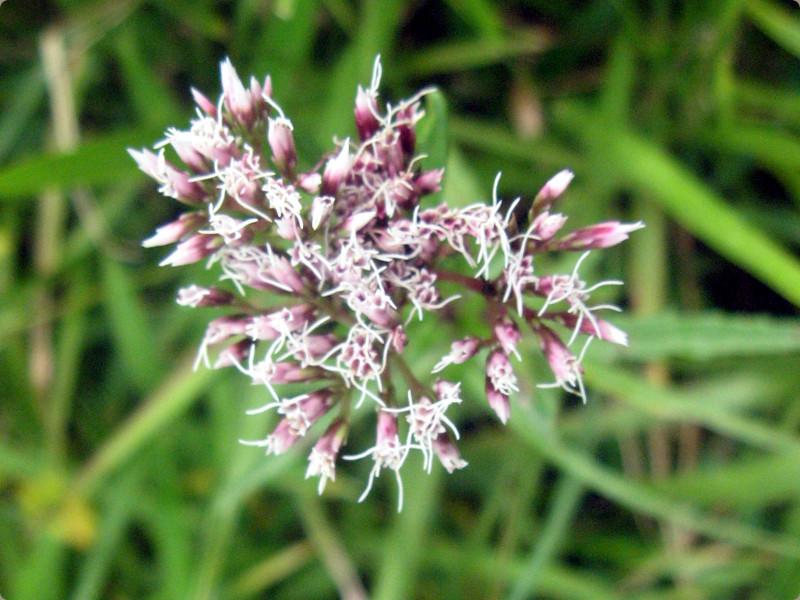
354,258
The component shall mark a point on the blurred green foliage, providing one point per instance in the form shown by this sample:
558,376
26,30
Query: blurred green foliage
120,472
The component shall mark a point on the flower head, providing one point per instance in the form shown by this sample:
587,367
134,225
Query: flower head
324,273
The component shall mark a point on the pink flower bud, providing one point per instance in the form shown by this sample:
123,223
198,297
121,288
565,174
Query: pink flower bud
186,224
448,453
189,155
551,191
336,170
386,430
399,339
429,182
464,349
322,460
357,221
233,354
237,99
195,295
321,210
600,328
366,110
286,228
563,363
546,225
222,328
204,103
309,182
282,438
500,374
498,402
281,142
406,127
601,235
192,250
508,335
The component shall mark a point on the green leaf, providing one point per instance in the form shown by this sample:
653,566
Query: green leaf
649,169
97,161
706,336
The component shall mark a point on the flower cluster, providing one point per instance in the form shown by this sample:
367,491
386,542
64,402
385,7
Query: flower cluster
353,257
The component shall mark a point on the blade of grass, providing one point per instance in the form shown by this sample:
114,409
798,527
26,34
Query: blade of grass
649,169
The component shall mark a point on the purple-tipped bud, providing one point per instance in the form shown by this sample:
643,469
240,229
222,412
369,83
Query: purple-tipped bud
399,339
266,88
358,221
195,295
508,335
204,103
222,328
321,210
563,363
174,182
286,228
194,249
189,155
281,142
282,438
546,225
498,402
237,99
366,110
281,274
500,374
386,430
234,354
309,182
600,328
601,235
322,460
170,233
447,452
460,352
429,182
407,129
551,191
336,170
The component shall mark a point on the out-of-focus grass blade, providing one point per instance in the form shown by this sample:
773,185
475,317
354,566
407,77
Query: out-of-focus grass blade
153,102
483,16
27,93
432,131
770,146
462,56
776,22
96,564
404,552
129,324
173,397
749,483
492,138
706,336
642,497
97,161
198,16
667,404
679,192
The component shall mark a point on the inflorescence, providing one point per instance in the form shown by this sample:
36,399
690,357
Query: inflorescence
354,258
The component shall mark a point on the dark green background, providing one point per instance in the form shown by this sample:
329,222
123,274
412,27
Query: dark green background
120,472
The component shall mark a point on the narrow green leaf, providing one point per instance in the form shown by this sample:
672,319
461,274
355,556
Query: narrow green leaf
776,22
100,160
641,497
706,336
649,169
